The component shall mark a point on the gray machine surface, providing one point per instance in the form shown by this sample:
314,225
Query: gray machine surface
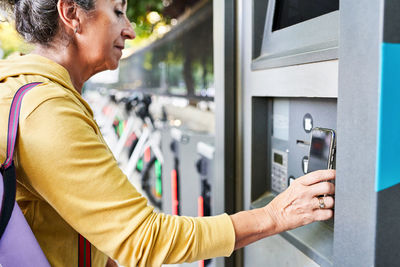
287,128
361,85
303,115
356,199
189,181
260,256
183,144
279,48
227,193
280,106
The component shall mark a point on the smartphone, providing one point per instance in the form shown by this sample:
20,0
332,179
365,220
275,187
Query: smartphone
322,150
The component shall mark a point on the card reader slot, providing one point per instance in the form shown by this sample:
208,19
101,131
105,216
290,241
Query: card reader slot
302,142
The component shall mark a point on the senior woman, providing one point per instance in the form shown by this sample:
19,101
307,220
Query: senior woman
68,180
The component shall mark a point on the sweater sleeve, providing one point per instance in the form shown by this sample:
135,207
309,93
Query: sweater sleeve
69,165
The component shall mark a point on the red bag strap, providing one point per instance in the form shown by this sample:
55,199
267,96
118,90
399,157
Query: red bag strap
84,252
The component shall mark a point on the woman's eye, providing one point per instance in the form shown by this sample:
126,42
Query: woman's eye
119,13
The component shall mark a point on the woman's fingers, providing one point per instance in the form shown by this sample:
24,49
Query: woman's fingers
317,176
324,202
323,214
306,200
324,188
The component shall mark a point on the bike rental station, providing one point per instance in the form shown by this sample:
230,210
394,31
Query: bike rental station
242,97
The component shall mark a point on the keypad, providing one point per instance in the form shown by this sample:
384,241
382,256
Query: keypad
279,171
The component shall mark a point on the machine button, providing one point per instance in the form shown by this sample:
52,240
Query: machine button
304,164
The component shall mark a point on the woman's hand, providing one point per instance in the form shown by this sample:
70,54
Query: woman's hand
305,201
308,199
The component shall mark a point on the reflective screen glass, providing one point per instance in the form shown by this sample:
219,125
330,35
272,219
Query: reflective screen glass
290,12
180,63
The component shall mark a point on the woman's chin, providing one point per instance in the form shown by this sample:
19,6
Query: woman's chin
108,65
113,65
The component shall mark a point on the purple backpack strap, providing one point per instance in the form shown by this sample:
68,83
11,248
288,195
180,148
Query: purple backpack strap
7,168
13,120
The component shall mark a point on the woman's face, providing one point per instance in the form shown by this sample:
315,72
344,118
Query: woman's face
102,34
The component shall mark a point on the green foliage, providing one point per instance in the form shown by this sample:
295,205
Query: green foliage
138,9
137,12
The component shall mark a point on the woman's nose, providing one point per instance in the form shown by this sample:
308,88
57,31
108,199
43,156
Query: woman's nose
128,32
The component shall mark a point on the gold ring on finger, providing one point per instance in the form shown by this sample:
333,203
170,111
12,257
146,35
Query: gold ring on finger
321,202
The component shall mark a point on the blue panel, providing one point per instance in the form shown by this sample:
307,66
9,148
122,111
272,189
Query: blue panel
388,150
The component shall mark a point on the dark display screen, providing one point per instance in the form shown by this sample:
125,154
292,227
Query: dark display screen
319,150
278,158
290,12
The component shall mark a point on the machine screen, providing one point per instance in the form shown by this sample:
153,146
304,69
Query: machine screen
290,12
278,158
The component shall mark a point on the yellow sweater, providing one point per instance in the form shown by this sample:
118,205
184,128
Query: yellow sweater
70,183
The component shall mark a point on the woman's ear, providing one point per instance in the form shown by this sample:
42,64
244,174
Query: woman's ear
69,14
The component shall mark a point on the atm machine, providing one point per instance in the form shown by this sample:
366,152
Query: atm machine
290,85
289,79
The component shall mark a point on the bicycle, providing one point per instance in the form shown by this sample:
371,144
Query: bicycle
130,132
146,156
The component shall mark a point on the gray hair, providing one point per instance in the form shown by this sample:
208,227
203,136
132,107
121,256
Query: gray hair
37,20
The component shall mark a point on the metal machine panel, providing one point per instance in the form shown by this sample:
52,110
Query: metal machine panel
364,218
190,179
320,113
309,89
290,134
358,205
276,251
315,39
182,145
